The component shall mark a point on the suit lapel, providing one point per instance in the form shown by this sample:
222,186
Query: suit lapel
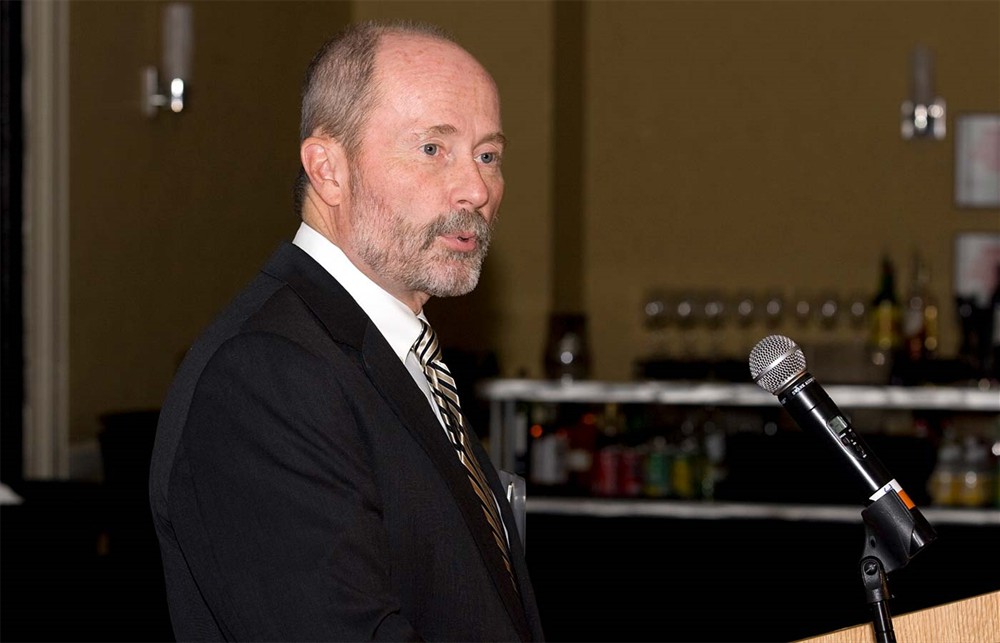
347,323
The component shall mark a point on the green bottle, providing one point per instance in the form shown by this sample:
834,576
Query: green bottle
885,335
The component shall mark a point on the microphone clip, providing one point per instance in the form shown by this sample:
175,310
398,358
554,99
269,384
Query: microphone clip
894,534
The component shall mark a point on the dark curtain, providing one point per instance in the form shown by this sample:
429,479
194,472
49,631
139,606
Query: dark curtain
11,251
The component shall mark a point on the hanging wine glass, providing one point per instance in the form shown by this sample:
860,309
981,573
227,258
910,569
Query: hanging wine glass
714,314
774,308
688,314
745,309
802,308
857,311
657,316
828,310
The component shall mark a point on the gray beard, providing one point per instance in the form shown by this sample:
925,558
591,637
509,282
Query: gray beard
405,253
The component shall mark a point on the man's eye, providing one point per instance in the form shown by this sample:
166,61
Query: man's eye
430,149
489,157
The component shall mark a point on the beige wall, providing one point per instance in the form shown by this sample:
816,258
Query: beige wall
726,144
747,145
170,216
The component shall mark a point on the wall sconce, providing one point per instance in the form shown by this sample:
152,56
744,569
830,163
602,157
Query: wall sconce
178,43
923,113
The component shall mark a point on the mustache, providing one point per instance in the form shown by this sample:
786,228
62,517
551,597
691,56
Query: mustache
460,221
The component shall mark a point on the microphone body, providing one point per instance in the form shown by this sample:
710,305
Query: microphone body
813,410
778,366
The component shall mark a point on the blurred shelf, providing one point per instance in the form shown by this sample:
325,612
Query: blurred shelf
708,510
943,398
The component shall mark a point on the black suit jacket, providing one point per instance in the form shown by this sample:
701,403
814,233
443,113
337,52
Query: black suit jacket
302,488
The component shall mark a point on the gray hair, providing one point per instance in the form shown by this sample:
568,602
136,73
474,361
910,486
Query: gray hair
339,89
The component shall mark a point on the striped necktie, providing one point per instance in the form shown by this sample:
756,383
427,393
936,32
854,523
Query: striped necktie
428,352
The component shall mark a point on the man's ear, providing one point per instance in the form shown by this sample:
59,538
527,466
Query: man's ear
325,163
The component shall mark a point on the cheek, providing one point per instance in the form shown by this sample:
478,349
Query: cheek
496,194
392,189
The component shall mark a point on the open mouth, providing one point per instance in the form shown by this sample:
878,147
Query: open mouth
462,242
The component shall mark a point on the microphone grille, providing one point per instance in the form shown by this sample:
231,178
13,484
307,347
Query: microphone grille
775,361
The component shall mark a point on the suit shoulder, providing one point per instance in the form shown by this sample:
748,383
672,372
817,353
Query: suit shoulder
267,306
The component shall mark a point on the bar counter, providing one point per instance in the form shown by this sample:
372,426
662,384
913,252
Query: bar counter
652,570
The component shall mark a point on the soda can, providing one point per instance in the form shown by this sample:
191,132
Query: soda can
629,472
604,478
657,476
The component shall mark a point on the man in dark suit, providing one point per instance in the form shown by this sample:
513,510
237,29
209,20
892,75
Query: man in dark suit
311,478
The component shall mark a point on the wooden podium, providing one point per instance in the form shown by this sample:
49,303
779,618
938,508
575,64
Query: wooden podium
974,620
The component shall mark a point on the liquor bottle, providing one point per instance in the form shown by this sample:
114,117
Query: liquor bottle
914,322
993,358
685,478
656,468
919,326
885,317
713,441
567,356
631,449
946,478
580,457
976,482
547,451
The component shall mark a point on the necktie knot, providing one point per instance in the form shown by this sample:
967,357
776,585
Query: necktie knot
428,353
426,347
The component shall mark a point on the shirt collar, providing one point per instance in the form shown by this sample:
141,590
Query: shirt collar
393,318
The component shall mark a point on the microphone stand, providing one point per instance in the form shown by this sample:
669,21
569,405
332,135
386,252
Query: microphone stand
894,534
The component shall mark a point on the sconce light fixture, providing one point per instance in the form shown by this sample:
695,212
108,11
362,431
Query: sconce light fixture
178,42
923,113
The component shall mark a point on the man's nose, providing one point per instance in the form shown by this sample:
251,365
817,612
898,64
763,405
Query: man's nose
470,190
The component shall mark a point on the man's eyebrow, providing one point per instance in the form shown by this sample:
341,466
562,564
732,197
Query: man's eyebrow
444,130
439,130
496,137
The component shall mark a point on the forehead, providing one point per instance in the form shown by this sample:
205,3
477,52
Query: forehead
406,54
423,77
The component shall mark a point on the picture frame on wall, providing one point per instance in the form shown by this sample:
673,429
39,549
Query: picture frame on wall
974,273
977,160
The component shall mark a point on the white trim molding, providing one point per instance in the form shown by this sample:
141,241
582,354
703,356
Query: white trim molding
46,239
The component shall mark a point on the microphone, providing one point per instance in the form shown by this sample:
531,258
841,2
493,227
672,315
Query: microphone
778,366
895,530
